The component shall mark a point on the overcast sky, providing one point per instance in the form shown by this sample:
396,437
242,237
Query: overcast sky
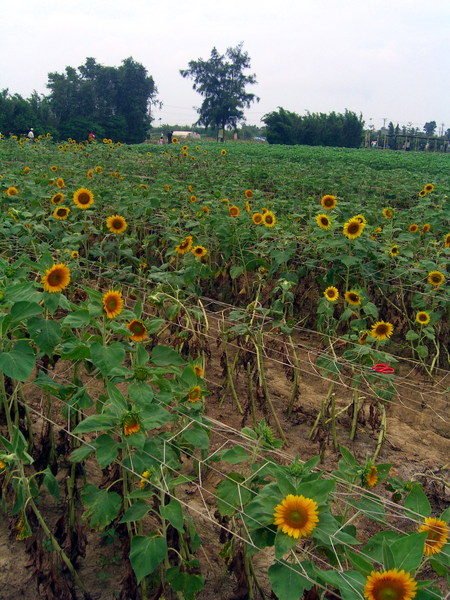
388,59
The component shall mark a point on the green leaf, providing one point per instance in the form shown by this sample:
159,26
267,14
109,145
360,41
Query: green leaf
288,582
422,351
283,543
411,335
20,311
359,563
22,291
136,512
187,583
388,557
173,513
146,554
196,436
162,356
234,455
106,358
51,483
96,423
79,318
140,392
418,502
231,496
116,397
348,456
81,453
102,506
19,362
370,309
46,333
106,450
408,551
51,301
235,271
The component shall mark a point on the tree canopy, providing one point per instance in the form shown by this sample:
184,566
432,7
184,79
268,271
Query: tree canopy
314,129
221,81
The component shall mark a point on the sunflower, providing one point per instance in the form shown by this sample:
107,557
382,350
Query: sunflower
382,330
112,303
26,170
223,152
394,251
174,140
130,423
190,189
363,338
437,535
195,394
247,206
323,221
388,213
328,202
60,183
53,169
193,198
185,245
370,476
269,219
422,317
198,370
257,218
83,198
185,148
422,193
436,278
185,154
353,229
234,211
428,188
166,187
414,228
199,251
74,254
248,194
331,294
143,482
360,218
205,209
57,198
447,241
90,174
116,224
12,191
98,169
390,585
56,278
352,298
296,516
138,330
426,228
61,213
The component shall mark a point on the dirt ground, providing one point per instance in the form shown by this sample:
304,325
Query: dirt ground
417,444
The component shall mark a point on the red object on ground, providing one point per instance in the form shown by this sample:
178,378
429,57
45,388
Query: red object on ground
381,368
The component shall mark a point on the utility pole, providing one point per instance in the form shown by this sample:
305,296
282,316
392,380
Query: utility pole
384,122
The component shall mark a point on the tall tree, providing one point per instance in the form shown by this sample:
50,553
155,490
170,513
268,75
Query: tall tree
221,81
430,127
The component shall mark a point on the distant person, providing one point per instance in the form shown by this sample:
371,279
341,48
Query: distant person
161,139
169,137
91,137
31,135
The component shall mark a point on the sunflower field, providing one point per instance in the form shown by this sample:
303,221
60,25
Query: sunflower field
223,370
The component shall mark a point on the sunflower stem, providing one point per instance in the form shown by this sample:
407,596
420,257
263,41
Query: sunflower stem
295,384
382,433
230,371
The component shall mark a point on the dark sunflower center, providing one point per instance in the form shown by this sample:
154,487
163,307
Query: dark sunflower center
436,278
297,518
422,317
354,297
324,221
117,223
382,330
353,227
61,212
389,590
55,278
111,304
269,219
84,198
137,328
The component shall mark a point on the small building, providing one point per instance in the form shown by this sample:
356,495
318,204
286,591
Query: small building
186,134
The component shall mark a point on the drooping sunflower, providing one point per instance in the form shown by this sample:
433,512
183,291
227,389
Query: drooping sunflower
12,191
112,303
257,218
116,224
394,251
138,330
436,278
247,206
353,229
198,370
437,535
234,211
447,241
144,479
269,219
370,476
363,338
382,330
98,169
331,294
353,298
83,198
323,221
223,152
422,317
296,516
190,189
60,183
414,228
185,245
428,188
26,170
248,194
61,213
392,585
57,198
388,213
328,201
90,173
195,394
130,423
426,228
199,251
56,278
166,187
